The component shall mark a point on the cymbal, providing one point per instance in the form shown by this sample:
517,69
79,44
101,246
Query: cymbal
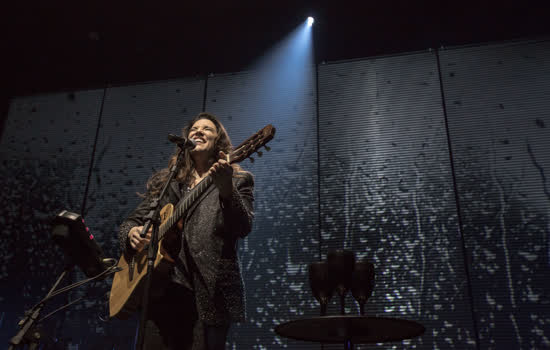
358,329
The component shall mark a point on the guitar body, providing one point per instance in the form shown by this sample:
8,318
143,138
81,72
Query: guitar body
127,287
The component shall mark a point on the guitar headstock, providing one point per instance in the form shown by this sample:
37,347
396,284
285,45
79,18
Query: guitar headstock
252,144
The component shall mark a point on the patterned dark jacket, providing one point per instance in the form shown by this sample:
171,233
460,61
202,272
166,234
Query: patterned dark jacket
207,261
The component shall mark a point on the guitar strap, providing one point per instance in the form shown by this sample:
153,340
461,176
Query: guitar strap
132,266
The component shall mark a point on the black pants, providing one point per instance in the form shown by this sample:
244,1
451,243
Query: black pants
173,324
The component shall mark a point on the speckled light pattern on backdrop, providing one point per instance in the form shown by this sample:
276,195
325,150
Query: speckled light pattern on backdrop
387,192
45,153
398,211
498,100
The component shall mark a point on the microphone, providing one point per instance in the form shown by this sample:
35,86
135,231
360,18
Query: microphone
182,141
71,234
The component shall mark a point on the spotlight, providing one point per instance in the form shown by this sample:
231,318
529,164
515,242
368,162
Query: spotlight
310,21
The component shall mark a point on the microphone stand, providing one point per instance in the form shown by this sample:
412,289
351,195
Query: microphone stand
152,218
30,335
27,334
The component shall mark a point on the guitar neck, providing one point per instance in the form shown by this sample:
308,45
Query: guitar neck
240,153
185,204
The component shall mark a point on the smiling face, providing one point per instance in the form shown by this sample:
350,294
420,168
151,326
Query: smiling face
204,133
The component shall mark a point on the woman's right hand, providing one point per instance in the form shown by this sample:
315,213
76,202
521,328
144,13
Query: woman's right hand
136,242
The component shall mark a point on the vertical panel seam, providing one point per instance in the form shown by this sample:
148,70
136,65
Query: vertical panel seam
319,224
457,202
83,207
205,93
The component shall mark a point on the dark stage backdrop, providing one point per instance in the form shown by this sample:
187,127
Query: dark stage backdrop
498,104
465,252
46,154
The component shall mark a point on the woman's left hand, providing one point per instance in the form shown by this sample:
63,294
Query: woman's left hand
222,175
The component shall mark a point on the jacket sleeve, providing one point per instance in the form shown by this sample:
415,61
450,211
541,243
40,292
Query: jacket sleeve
134,219
238,210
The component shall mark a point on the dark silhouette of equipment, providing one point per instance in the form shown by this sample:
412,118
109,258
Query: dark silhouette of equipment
71,234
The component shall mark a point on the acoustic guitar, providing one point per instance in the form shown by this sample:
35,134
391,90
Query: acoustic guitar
127,288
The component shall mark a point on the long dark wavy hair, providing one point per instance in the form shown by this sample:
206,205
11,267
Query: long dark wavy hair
185,173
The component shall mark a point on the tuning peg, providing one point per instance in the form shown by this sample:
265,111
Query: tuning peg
251,160
260,153
267,148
